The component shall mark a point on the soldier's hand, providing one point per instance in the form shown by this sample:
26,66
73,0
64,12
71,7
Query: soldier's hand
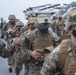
16,40
35,54
10,30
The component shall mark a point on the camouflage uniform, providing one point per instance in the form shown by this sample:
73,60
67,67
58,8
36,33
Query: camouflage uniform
24,28
55,39
40,40
4,52
17,31
17,28
9,24
8,32
19,54
60,26
66,36
62,60
29,26
54,24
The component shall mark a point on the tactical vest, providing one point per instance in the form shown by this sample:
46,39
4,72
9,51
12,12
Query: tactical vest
67,59
66,36
31,35
42,41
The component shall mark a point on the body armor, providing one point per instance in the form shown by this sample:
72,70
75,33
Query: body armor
42,41
67,59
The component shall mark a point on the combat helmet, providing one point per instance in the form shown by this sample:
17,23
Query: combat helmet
31,14
12,17
31,20
43,22
71,19
19,24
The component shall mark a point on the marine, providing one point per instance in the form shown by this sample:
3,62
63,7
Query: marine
36,52
62,60
8,32
19,54
60,26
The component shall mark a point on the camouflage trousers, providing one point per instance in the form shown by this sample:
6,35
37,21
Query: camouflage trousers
10,59
19,67
34,68
29,68
19,62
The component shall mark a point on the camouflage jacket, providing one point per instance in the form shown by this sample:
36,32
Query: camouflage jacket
57,61
50,65
28,51
6,27
6,52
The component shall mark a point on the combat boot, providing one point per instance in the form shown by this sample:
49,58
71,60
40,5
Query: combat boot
10,70
17,71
